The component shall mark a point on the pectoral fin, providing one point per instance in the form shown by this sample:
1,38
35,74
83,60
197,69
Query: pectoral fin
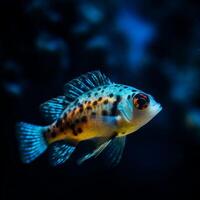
94,153
110,152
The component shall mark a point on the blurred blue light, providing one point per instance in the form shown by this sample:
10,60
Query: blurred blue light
81,28
185,85
91,12
138,33
45,8
193,118
55,46
46,42
38,5
13,88
98,42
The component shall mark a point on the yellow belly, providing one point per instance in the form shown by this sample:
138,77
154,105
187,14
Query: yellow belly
91,130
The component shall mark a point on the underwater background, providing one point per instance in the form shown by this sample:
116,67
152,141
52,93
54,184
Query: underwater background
151,45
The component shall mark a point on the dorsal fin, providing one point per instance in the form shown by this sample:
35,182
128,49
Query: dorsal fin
52,109
84,83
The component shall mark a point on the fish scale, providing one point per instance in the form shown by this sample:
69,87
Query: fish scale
101,108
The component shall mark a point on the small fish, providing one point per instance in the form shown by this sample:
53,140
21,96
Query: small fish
92,110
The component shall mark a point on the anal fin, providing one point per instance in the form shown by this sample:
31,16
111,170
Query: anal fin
60,152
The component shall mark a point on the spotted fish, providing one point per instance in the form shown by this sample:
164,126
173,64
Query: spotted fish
92,110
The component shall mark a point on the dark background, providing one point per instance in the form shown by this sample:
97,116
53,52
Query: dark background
151,45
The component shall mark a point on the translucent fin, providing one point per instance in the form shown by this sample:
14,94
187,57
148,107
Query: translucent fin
94,153
84,83
113,152
53,108
31,141
60,152
126,110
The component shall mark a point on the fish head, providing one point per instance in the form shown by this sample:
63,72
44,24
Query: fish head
145,108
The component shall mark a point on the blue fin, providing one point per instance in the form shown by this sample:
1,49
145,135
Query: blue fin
31,141
53,108
113,152
94,153
60,152
84,83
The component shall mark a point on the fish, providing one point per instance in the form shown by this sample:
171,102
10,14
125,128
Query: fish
93,111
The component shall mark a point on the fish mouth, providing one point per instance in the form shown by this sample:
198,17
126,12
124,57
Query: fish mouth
157,108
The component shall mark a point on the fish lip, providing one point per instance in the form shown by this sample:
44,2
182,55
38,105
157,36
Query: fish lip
158,108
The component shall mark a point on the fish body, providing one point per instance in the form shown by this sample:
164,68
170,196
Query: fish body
93,109
94,114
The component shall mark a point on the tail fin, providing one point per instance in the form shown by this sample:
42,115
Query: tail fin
31,141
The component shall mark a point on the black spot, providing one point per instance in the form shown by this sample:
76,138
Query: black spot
111,95
84,119
79,130
74,132
95,94
93,114
100,98
65,115
95,103
106,101
53,134
120,90
115,104
115,133
123,133
48,130
104,87
104,112
133,94
61,129
80,105
133,90
99,89
102,91
72,126
118,98
81,110
114,109
129,96
89,94
125,87
66,125
77,121
89,108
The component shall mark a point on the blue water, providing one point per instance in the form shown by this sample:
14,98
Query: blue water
150,45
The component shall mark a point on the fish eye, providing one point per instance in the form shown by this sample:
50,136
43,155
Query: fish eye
141,101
